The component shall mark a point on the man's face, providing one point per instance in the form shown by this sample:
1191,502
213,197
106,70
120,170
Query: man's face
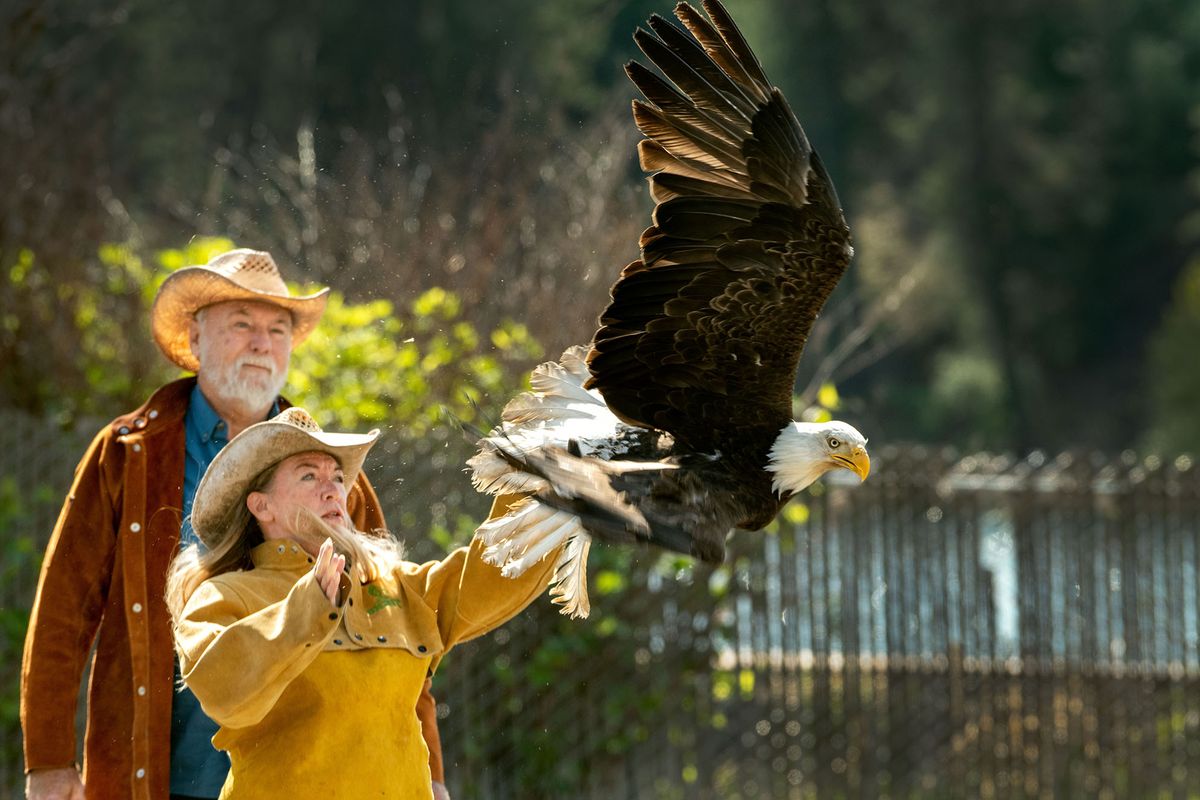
243,347
312,481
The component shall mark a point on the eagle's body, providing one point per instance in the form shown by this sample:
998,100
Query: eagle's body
676,426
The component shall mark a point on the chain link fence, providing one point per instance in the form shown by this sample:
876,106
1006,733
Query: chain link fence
955,627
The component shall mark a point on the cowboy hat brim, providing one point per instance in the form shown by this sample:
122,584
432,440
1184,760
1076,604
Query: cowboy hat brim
254,450
190,289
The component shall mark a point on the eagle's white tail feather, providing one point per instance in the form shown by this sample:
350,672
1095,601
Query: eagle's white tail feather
565,378
518,516
528,533
522,483
574,361
570,578
531,408
493,475
539,548
541,523
558,410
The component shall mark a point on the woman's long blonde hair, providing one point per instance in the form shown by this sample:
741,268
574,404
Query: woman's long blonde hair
370,555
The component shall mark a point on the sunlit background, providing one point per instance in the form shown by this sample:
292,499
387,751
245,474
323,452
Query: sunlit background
1007,608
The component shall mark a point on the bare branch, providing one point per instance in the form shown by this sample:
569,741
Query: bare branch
849,357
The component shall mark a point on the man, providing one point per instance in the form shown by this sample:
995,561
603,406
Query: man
234,323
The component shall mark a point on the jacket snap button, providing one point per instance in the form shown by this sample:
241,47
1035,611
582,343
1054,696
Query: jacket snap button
333,615
421,648
139,422
141,690
383,638
137,448
137,608
135,527
337,642
153,414
141,773
123,430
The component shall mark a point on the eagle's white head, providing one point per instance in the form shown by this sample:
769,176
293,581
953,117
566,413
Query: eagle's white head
805,451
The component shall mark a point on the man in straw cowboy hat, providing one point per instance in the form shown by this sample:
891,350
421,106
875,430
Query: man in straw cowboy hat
234,323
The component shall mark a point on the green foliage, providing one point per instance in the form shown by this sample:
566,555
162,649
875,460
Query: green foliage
1173,383
19,561
966,394
198,250
368,365
103,320
104,336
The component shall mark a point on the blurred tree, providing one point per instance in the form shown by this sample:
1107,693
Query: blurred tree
54,123
1174,384
510,230
435,76
1035,177
1030,182
67,335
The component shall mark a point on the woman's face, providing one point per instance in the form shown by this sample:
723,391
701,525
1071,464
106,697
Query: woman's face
312,481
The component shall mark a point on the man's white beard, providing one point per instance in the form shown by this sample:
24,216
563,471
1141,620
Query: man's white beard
254,393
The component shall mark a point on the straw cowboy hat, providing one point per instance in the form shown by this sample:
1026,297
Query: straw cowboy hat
235,275
260,446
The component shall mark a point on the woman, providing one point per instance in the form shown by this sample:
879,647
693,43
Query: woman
308,642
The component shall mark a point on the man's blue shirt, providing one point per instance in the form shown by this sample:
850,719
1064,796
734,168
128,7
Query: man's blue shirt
197,768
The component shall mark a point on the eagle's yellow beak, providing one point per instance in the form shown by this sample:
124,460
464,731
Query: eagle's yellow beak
862,463
857,462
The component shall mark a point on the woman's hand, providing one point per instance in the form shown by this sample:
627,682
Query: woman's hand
328,571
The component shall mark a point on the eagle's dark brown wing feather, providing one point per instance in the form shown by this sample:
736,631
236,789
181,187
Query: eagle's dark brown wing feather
747,242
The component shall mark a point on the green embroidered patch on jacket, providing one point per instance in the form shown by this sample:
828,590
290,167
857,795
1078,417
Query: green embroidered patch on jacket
382,600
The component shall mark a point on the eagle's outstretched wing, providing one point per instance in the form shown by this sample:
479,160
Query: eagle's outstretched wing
747,243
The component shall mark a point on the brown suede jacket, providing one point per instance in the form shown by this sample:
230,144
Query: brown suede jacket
102,581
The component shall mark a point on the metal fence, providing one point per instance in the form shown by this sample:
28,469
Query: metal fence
954,627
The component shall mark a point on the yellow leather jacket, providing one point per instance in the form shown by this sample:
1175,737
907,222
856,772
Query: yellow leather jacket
315,700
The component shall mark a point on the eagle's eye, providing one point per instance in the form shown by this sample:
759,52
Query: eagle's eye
834,444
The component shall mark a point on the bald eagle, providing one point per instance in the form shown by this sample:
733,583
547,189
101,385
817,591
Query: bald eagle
675,426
